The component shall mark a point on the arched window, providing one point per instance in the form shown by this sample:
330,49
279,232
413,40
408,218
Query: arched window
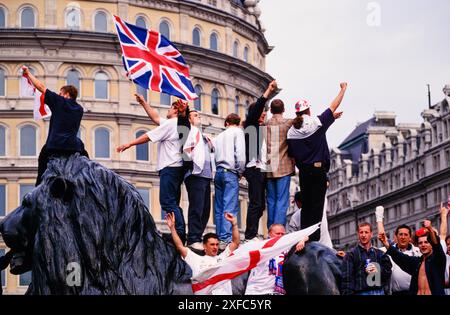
196,37
28,140
73,18
102,143
164,29
27,18
140,21
213,42
101,86
198,101
73,78
141,91
2,141
215,101
2,82
235,49
236,105
141,149
164,99
2,18
100,22
246,54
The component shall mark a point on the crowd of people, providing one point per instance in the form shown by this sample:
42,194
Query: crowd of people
265,152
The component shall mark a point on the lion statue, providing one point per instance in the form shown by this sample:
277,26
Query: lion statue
85,218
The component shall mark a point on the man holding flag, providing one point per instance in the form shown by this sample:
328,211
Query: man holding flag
65,121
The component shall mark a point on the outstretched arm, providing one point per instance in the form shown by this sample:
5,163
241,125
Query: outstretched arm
337,101
151,112
170,221
443,227
235,237
37,84
142,139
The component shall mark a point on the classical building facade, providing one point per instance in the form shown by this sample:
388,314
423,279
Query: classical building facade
74,42
403,167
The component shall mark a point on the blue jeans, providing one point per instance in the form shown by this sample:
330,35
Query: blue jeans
226,199
277,199
170,180
371,292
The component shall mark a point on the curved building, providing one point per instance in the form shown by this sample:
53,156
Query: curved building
74,42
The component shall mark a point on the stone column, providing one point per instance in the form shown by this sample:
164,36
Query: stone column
50,14
184,29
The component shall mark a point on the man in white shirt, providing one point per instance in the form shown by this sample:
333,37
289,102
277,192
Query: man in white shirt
267,278
211,246
229,151
169,162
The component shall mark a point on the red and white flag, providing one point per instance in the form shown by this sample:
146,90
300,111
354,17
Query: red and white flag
40,109
245,258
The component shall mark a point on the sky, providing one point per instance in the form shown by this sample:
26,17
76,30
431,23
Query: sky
387,51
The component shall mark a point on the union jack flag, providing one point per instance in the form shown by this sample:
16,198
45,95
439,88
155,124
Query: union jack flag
153,62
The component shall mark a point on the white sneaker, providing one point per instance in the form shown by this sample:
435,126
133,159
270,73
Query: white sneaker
197,246
255,239
222,245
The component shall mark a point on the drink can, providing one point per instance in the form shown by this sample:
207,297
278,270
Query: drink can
367,262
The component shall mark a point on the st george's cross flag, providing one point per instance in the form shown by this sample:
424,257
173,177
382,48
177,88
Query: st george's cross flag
245,258
153,62
27,89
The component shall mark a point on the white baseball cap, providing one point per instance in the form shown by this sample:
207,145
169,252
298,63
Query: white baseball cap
302,105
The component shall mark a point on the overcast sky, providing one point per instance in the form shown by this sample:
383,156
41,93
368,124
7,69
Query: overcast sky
386,58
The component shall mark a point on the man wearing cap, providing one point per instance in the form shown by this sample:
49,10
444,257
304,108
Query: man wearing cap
307,144
427,272
280,166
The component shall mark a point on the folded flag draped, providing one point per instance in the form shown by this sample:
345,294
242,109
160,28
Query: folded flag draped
40,109
153,62
245,258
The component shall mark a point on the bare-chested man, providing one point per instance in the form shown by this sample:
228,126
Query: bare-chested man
427,272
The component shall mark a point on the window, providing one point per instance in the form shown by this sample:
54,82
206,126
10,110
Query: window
145,194
100,22
3,275
140,21
2,141
246,54
28,140
2,200
164,29
198,101
73,78
196,37
25,279
236,105
215,101
164,99
235,49
141,91
213,42
101,86
27,18
2,18
2,82
73,19
102,143
141,149
213,3
24,189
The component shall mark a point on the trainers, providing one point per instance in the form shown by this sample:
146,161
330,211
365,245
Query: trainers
196,246
256,238
223,245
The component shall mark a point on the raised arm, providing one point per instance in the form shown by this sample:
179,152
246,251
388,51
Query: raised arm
151,112
443,227
405,262
37,84
142,139
170,221
255,111
235,236
337,101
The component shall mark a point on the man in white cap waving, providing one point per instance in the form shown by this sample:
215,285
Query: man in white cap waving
307,144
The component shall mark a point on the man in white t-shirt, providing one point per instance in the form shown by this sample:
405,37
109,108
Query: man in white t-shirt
267,278
199,263
169,162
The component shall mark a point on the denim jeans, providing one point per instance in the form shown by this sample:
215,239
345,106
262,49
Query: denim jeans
170,180
226,199
277,199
